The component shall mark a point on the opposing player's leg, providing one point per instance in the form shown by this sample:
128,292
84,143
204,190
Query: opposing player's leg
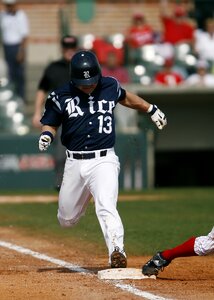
204,244
103,183
74,195
194,246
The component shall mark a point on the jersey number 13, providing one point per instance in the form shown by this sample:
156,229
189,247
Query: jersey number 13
105,124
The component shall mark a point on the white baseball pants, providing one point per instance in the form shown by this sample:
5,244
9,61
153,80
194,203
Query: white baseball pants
97,177
204,244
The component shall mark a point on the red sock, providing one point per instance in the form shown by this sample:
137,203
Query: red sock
185,249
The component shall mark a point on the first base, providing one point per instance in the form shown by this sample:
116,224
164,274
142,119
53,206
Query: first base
123,273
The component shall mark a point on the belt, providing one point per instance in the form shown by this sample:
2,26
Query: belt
89,155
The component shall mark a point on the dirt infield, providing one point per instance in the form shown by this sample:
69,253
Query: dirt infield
25,277
54,198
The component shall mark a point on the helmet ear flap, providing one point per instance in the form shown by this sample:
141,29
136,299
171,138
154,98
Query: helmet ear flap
84,68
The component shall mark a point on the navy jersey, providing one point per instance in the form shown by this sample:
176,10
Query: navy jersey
87,120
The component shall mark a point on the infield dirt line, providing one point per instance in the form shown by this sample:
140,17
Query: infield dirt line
75,268
54,198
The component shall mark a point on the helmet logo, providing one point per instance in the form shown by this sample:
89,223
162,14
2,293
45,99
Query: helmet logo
86,74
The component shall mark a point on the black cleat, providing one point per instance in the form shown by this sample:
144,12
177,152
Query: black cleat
118,258
154,265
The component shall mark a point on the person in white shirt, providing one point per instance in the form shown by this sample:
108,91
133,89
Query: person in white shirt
201,77
14,28
204,41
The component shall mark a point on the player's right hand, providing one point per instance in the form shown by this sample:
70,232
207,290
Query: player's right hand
44,142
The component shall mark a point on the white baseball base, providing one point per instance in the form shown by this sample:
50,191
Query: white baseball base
123,273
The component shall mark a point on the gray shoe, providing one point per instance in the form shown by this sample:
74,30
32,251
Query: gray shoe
118,258
154,265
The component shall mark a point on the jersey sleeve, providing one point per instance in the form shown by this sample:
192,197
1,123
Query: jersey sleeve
53,112
122,95
120,91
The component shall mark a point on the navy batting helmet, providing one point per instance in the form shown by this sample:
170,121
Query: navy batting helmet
84,68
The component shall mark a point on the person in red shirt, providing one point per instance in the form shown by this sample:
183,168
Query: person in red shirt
176,28
140,33
114,69
167,76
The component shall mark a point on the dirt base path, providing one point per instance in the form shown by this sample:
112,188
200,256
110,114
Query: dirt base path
25,277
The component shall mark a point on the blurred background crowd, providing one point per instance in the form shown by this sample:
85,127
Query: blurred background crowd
158,43
162,50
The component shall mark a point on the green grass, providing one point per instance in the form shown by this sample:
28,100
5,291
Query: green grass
149,225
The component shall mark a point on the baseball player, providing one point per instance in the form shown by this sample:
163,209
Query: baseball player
85,109
201,245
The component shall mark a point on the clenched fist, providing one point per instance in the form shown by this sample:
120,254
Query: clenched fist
157,116
45,141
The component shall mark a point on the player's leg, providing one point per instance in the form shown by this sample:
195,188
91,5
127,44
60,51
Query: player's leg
194,246
74,195
204,244
103,185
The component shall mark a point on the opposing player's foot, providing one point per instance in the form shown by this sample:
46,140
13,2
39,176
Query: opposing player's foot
154,265
118,258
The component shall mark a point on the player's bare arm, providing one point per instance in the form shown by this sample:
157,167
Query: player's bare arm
135,102
39,104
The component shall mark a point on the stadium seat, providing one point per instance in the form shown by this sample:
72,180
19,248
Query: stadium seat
12,118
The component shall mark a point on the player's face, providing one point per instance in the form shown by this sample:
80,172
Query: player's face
87,89
68,53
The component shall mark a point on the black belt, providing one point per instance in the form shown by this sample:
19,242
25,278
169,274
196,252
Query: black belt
86,155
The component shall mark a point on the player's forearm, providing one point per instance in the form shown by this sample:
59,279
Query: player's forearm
38,108
39,102
135,102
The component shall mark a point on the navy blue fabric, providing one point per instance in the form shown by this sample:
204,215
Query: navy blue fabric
16,70
87,120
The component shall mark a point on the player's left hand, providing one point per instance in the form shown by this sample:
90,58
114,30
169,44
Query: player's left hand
44,142
158,117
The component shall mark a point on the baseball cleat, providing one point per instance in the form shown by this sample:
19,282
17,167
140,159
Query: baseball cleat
118,258
154,265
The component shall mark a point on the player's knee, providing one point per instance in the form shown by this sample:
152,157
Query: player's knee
66,222
203,245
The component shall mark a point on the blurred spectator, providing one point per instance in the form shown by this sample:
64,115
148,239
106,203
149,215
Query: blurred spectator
167,76
55,75
202,77
114,69
203,10
102,47
140,33
177,28
204,41
14,28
